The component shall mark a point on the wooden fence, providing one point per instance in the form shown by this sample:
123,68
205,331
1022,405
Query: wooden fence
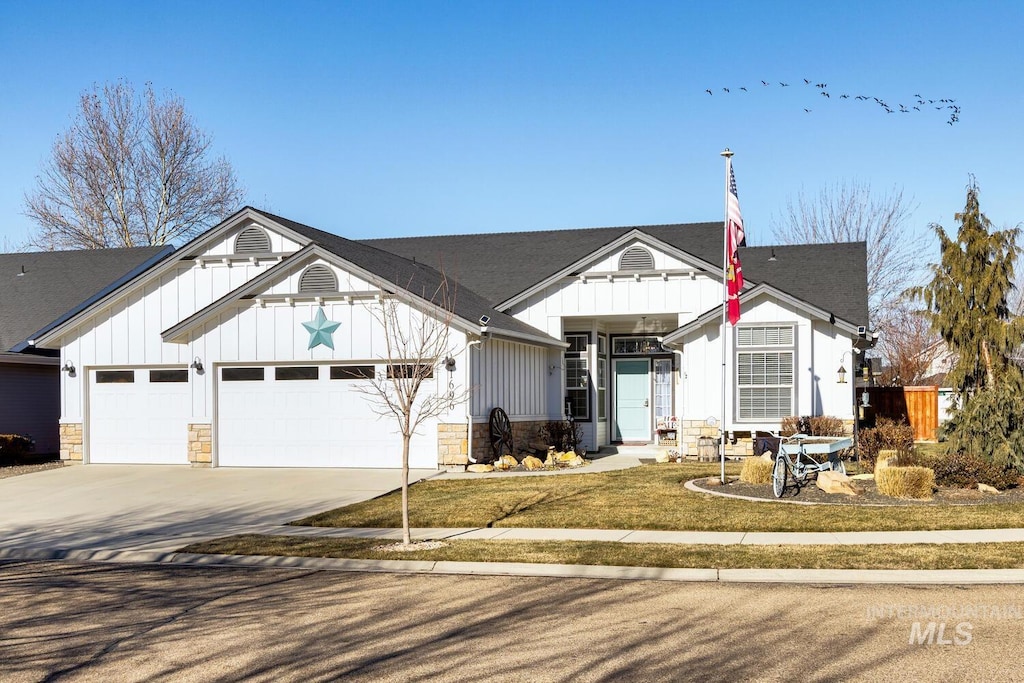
919,406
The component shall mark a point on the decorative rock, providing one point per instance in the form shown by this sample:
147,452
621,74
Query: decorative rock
662,457
532,463
985,488
577,462
834,482
479,468
768,456
506,462
568,456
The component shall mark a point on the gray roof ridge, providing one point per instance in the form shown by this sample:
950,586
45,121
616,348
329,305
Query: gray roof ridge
544,231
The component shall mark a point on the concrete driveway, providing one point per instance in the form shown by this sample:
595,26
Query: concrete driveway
156,507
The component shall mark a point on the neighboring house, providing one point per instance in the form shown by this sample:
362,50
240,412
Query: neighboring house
205,358
36,290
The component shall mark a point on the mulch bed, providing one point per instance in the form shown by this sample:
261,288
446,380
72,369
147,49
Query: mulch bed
810,493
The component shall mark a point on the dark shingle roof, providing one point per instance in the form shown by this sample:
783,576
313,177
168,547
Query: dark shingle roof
56,282
415,276
500,265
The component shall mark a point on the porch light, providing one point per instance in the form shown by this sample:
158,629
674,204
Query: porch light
197,365
69,368
842,375
449,364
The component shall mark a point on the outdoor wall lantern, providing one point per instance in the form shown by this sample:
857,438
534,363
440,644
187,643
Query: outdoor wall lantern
197,365
449,364
842,375
69,368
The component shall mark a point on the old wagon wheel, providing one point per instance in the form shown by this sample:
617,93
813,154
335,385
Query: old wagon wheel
501,434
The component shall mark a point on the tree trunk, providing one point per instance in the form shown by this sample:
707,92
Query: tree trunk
988,363
406,536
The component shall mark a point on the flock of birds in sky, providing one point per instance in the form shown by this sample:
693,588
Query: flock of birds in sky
918,104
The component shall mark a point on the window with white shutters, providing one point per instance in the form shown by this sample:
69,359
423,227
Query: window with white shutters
764,372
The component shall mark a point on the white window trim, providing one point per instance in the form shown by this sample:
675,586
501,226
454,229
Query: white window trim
764,348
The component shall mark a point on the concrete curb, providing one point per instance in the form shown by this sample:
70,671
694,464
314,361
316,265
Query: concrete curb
804,576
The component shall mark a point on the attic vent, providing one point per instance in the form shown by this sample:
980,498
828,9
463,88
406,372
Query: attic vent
318,278
252,240
636,258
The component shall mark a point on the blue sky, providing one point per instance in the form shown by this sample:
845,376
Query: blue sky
386,119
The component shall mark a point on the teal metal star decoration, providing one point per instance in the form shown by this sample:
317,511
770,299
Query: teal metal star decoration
320,330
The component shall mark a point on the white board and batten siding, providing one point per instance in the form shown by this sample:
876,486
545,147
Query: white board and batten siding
816,345
511,376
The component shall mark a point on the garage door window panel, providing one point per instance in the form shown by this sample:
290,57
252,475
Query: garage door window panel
115,376
353,372
284,374
167,376
242,374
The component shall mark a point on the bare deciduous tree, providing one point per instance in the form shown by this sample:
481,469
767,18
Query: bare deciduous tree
909,345
849,212
131,171
417,344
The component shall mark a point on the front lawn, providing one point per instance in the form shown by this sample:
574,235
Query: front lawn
945,556
646,497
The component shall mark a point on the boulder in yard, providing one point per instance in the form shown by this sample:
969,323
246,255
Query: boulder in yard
480,468
834,482
577,462
532,463
506,462
985,488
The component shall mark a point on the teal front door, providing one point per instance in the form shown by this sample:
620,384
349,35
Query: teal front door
632,400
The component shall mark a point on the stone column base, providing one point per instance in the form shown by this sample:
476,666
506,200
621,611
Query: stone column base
200,444
71,441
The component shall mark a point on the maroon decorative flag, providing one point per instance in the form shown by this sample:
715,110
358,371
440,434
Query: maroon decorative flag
734,239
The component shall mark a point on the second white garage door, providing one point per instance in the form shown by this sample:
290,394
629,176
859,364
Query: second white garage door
309,416
139,416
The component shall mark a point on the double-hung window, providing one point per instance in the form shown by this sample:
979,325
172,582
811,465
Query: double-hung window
764,372
577,376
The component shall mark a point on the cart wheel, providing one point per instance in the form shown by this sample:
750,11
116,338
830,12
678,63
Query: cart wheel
779,475
839,466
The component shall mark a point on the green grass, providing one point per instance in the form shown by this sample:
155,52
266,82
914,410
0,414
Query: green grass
647,497
944,556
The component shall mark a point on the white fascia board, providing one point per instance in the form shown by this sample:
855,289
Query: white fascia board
187,252
622,240
715,314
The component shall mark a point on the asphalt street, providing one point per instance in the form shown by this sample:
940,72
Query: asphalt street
63,621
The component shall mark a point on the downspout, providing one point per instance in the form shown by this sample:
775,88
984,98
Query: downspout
469,402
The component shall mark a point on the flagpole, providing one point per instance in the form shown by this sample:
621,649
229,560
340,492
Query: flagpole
727,153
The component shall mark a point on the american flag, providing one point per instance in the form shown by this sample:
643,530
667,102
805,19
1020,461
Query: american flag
734,239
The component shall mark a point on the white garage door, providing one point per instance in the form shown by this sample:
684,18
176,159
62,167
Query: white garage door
139,416
310,416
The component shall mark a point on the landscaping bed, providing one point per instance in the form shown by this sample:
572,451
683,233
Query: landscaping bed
28,465
810,493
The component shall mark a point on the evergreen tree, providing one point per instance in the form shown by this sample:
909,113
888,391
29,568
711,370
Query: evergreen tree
967,304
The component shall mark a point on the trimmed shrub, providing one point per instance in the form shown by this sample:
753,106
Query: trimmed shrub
887,434
756,471
819,425
966,471
13,447
905,482
564,436
827,425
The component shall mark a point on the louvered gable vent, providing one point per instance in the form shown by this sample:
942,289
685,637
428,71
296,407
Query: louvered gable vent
318,278
252,240
636,258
